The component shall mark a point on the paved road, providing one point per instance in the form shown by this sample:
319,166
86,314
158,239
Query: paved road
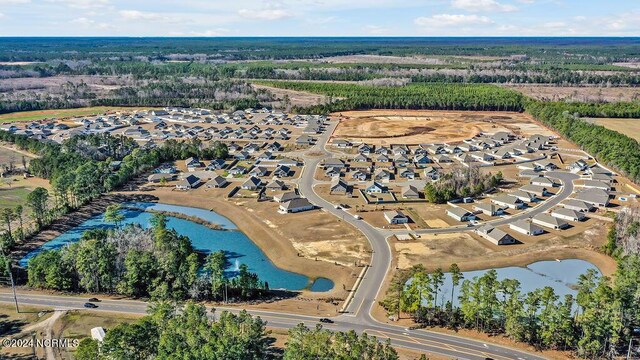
358,311
419,340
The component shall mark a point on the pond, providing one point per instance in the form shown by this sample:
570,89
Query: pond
237,246
562,276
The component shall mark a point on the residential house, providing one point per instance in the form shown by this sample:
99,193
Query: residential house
543,181
282,171
187,183
596,197
408,173
524,196
192,163
396,217
495,235
238,170
341,144
217,182
526,227
431,173
157,178
275,185
508,201
420,160
360,175
360,158
338,187
252,183
289,162
460,214
577,205
259,171
383,175
333,172
442,159
216,164
489,209
296,205
548,221
578,166
536,190
287,196
364,149
568,214
376,188
334,163
410,192
594,184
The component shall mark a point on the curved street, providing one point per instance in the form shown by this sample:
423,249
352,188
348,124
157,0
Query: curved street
357,312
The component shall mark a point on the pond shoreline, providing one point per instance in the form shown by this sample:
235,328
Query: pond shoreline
179,215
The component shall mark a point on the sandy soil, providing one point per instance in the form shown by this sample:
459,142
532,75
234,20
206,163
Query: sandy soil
575,93
384,127
629,127
381,59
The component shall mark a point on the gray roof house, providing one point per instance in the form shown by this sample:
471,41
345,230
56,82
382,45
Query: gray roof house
275,185
252,183
216,182
526,227
296,205
287,196
495,235
187,183
568,214
460,214
396,217
595,197
577,205
549,221
594,184
410,192
508,201
489,209
338,186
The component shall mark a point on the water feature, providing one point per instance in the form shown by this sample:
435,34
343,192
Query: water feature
236,245
562,276
322,285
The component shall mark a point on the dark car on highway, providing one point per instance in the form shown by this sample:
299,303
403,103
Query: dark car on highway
94,300
90,305
326,321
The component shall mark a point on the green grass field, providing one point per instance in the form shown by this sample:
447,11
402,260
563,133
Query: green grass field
10,197
61,113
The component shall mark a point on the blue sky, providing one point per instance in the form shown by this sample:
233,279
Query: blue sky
320,18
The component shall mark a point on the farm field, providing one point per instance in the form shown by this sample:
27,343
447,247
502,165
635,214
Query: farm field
62,113
384,127
629,127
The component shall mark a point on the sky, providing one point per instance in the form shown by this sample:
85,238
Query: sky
320,18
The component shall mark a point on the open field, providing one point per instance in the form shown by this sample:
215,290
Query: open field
629,127
58,114
381,59
299,98
21,325
383,127
577,93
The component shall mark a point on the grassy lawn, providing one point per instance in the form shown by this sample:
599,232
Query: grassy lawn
61,113
10,197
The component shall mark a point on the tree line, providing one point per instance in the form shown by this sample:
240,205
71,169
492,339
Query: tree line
193,332
412,96
155,263
597,323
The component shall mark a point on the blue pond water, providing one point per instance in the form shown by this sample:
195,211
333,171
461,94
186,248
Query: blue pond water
321,285
237,246
559,275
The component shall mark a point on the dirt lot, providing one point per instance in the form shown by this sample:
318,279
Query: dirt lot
582,94
629,127
381,59
58,114
299,98
384,127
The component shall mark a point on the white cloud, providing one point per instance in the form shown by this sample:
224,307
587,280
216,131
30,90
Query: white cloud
1,15
482,6
10,2
82,21
140,15
210,33
449,20
265,14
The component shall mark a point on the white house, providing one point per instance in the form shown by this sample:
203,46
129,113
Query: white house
489,209
296,205
568,214
396,217
460,214
496,236
549,221
526,227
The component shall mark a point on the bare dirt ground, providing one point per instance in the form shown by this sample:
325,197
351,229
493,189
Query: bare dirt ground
629,127
632,64
574,93
384,127
299,98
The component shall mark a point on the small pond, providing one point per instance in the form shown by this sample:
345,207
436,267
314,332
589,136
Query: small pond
562,276
237,246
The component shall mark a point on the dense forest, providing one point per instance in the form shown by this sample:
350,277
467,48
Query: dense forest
172,332
412,96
